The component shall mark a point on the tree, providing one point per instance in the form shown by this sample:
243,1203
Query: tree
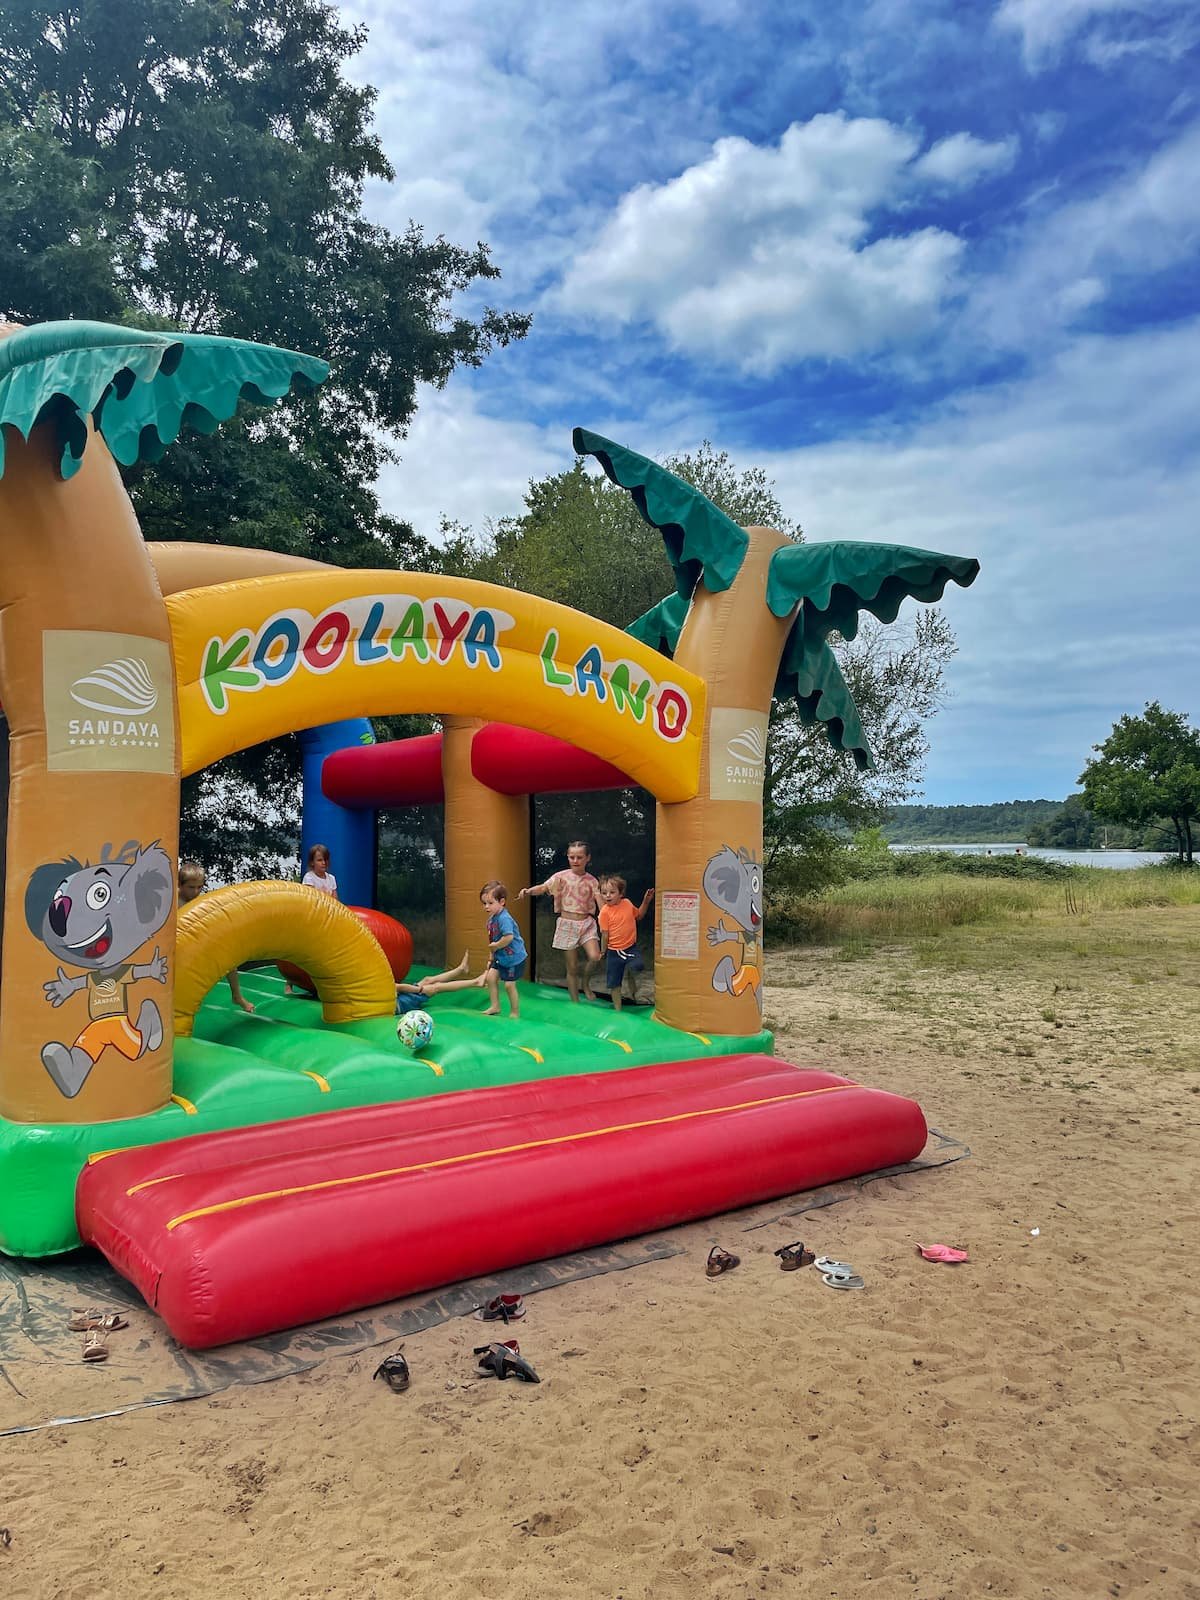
200,165
582,541
1146,770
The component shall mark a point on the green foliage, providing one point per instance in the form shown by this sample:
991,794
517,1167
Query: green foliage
199,165
941,863
896,677
1076,828
870,856
1149,768
942,896
1006,822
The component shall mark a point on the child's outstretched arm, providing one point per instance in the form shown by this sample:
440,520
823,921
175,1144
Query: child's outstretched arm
534,888
645,905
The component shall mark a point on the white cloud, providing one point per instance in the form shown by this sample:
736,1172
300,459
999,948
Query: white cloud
458,462
1046,25
1144,222
495,115
758,256
962,158
1077,489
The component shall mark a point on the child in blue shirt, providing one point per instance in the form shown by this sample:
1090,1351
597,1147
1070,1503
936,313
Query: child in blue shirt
507,947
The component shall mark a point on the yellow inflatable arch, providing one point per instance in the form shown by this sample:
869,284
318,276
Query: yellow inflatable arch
261,657
291,923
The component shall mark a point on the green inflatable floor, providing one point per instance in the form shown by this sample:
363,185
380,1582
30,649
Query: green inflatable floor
285,1061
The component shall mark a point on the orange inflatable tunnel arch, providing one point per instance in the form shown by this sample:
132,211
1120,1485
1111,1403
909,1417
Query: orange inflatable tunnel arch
287,922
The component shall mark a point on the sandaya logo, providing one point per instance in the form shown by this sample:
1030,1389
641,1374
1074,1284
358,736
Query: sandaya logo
737,753
120,688
748,747
108,701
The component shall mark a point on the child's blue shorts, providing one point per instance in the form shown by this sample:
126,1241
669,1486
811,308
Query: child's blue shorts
509,974
619,962
410,1002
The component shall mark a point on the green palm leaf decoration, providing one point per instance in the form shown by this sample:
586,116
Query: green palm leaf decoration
660,627
831,584
701,542
835,581
141,389
809,674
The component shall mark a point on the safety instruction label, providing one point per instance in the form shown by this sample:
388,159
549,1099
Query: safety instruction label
678,914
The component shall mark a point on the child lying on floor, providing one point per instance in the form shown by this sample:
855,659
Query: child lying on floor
411,996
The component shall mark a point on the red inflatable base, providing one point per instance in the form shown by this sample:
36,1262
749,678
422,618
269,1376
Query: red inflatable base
232,1235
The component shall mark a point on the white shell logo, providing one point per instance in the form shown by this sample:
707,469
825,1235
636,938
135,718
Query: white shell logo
122,688
748,747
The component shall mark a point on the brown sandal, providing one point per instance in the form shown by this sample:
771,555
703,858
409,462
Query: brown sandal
105,1321
795,1255
720,1261
94,1347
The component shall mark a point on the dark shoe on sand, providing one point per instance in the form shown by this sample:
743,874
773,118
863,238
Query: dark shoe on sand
394,1371
720,1261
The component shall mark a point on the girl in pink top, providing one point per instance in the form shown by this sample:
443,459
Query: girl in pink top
576,901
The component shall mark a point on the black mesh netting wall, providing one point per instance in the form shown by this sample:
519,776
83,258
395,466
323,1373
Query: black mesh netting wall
412,876
618,826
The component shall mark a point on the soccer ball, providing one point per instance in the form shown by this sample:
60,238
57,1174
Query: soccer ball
415,1029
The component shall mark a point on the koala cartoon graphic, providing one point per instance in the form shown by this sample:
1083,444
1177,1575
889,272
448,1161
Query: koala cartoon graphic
733,882
94,918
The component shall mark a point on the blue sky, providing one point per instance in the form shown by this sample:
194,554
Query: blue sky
930,263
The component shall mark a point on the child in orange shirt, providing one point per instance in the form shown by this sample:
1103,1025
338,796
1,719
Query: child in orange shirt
618,926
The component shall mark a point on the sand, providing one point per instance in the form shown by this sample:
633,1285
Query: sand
1023,1426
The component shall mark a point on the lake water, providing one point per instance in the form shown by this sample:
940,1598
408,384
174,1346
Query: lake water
1078,858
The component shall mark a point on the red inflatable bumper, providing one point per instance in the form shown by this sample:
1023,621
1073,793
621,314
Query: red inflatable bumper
231,1235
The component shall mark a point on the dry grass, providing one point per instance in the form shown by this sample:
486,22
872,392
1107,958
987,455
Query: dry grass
1034,994
927,906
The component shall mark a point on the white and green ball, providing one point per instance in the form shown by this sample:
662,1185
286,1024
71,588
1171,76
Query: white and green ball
415,1029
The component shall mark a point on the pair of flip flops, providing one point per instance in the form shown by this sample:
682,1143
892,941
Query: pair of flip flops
504,1361
838,1274
95,1325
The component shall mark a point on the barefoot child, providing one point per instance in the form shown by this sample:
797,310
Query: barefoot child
320,878
576,901
618,924
191,885
412,996
507,947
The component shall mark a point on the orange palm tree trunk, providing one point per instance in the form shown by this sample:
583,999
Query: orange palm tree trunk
709,906
93,816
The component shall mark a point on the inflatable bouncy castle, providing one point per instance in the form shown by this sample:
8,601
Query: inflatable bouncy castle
250,1172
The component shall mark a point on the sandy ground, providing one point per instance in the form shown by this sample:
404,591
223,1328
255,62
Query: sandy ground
1022,1426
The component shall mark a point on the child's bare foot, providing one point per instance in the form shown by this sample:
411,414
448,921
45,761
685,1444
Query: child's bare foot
460,970
492,1011
481,980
